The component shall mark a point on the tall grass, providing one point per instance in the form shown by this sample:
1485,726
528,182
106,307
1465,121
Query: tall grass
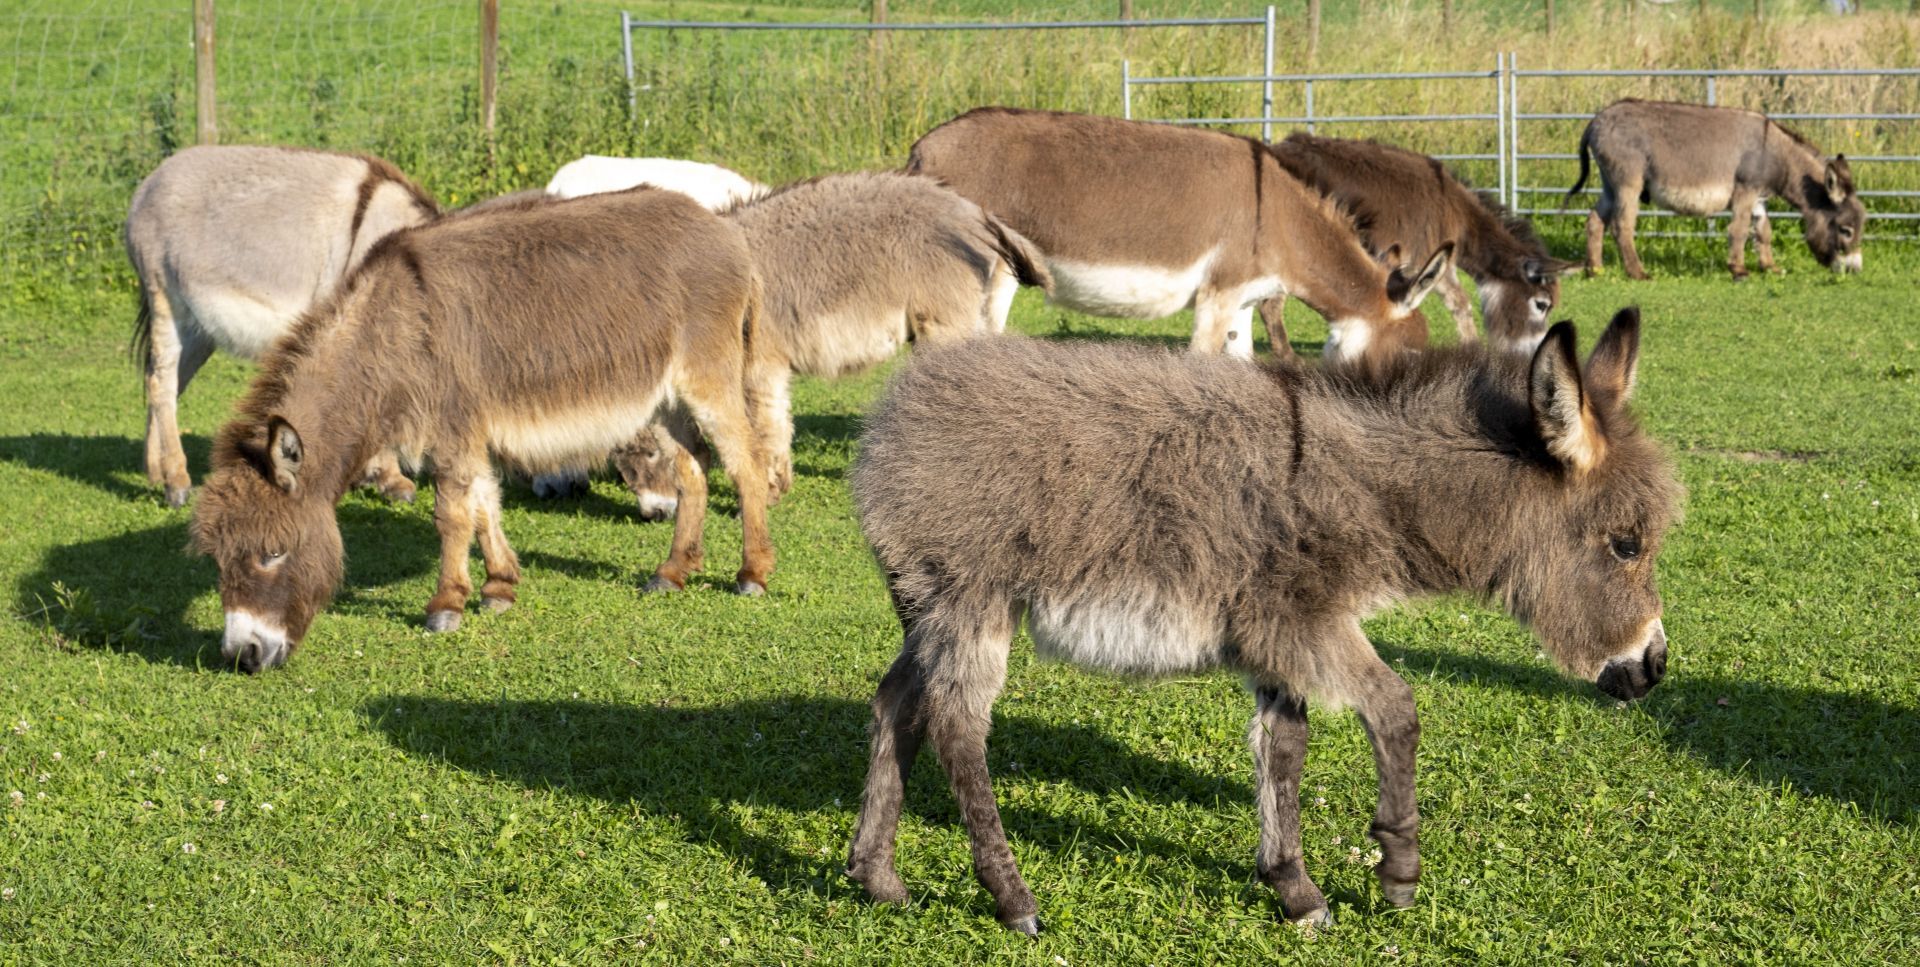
92,97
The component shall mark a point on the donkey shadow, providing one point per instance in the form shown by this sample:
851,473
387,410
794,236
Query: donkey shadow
1844,746
101,462
796,753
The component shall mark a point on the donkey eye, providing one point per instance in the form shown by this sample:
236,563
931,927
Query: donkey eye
1845,233
1626,548
272,558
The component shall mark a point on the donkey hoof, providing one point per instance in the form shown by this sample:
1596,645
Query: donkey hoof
399,493
1317,917
495,605
660,585
881,888
1400,895
749,589
178,496
443,621
1029,925
1739,276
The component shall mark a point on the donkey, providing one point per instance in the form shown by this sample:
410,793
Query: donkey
714,187
1155,514
1142,220
635,298
1403,201
855,265
1700,160
231,245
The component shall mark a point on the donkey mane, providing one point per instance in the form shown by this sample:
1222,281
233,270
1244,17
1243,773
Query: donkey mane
380,169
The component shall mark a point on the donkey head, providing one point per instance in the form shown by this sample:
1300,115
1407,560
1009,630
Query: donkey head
275,540
1582,576
1397,322
1515,303
1834,220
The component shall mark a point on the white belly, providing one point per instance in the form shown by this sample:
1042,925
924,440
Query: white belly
1126,291
238,323
556,440
1137,634
1694,201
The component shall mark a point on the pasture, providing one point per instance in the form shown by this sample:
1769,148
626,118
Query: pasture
598,776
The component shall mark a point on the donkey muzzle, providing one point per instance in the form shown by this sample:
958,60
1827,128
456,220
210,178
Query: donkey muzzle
251,644
1633,675
1847,264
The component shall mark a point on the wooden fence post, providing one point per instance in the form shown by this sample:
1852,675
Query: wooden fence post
1313,32
879,37
1549,18
203,109
1126,9
1446,16
489,62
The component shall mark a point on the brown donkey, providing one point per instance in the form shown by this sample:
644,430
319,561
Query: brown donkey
1142,220
1700,160
630,298
1403,202
1156,514
855,266
231,244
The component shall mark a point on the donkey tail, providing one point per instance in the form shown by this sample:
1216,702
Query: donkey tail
141,346
1586,155
1029,266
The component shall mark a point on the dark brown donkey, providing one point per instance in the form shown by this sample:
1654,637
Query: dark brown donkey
1142,220
538,331
1700,160
1156,514
1405,202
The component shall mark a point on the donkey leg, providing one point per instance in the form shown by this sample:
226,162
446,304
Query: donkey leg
1596,242
1763,237
771,412
689,519
1459,305
176,351
719,406
1738,228
1219,326
1273,313
896,741
1279,740
1002,286
383,473
503,566
453,518
1384,702
966,669
1625,220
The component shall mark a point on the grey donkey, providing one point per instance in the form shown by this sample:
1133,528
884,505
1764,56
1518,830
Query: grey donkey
1156,514
231,245
1700,160
855,266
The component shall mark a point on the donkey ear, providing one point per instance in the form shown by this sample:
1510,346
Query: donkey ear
1615,359
1389,259
1540,271
1560,404
1410,293
1839,179
284,453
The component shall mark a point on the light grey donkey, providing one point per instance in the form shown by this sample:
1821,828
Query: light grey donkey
231,245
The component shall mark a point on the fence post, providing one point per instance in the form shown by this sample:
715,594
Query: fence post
1126,89
1500,122
1711,101
1446,16
1126,9
1266,86
1550,17
1513,127
1313,32
203,101
489,61
879,37
626,56
1308,93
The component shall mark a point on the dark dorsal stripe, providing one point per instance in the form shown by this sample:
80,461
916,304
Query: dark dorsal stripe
379,172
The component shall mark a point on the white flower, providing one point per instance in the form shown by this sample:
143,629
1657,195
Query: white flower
219,805
189,848
21,727
17,796
266,807
57,757
220,778
42,777
726,941
146,804
100,756
6,893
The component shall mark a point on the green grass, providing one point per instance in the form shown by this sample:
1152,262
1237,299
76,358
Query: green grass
597,776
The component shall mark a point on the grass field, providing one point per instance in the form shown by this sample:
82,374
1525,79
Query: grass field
595,776
598,776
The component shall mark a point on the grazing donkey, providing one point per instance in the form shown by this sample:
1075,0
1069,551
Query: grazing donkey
634,298
855,266
1142,220
1407,201
712,186
1157,514
231,245
1700,160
